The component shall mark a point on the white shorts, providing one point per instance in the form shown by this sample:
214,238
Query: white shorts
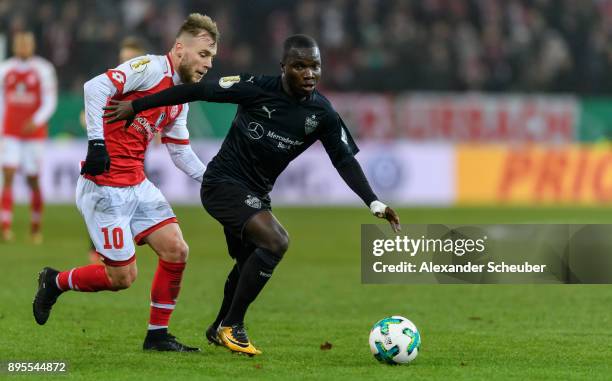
116,217
23,154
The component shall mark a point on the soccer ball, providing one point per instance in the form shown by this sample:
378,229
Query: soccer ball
395,340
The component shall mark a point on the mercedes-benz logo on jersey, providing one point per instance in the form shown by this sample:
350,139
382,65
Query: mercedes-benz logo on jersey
256,131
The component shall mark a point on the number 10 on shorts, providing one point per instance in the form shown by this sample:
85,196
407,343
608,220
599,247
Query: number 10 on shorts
117,238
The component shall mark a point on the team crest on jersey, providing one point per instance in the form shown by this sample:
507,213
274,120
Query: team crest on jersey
253,202
227,82
174,110
311,124
140,64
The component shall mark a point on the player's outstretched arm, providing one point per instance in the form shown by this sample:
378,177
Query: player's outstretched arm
341,149
237,89
176,95
353,176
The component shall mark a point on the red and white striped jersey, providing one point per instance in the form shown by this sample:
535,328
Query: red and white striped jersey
133,79
28,93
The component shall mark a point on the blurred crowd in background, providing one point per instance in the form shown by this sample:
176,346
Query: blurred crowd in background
367,45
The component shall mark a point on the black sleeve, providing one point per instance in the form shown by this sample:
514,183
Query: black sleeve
238,89
174,95
342,149
353,176
337,140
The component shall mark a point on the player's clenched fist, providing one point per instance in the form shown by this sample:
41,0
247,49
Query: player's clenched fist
97,160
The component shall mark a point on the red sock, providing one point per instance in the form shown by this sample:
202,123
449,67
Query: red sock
89,278
164,291
6,214
37,207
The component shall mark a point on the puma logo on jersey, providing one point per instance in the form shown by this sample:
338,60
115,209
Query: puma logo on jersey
251,79
265,108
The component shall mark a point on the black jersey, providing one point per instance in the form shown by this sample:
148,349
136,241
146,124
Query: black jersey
271,129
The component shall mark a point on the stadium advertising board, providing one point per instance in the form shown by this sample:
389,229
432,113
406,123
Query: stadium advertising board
487,119
533,175
369,116
402,173
420,117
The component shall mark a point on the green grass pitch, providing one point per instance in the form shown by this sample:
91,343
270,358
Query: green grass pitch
469,332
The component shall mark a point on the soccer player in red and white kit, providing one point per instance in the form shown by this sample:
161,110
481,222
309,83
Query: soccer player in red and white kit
28,97
119,204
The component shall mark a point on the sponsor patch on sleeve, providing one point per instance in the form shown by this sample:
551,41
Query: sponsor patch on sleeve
227,82
139,64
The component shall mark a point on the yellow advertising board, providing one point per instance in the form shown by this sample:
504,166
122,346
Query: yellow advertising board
534,175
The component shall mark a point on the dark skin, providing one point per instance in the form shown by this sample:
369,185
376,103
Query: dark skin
301,71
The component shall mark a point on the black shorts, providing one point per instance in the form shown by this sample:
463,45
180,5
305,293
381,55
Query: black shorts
232,205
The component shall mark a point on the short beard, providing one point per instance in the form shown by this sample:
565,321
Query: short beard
184,74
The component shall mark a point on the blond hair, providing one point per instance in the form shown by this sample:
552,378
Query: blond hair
196,23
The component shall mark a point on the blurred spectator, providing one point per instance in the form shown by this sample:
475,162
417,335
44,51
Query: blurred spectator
368,45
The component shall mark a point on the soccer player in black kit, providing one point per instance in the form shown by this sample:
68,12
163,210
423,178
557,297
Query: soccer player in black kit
278,118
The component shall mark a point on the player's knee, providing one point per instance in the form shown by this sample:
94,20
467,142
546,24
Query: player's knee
278,244
8,175
33,182
176,251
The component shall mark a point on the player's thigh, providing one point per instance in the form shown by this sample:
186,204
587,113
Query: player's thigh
264,230
11,153
31,157
153,213
168,243
107,212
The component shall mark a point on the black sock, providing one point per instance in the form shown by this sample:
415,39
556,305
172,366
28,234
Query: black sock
157,333
228,294
253,277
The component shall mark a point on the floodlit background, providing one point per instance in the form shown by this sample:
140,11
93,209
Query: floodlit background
453,102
